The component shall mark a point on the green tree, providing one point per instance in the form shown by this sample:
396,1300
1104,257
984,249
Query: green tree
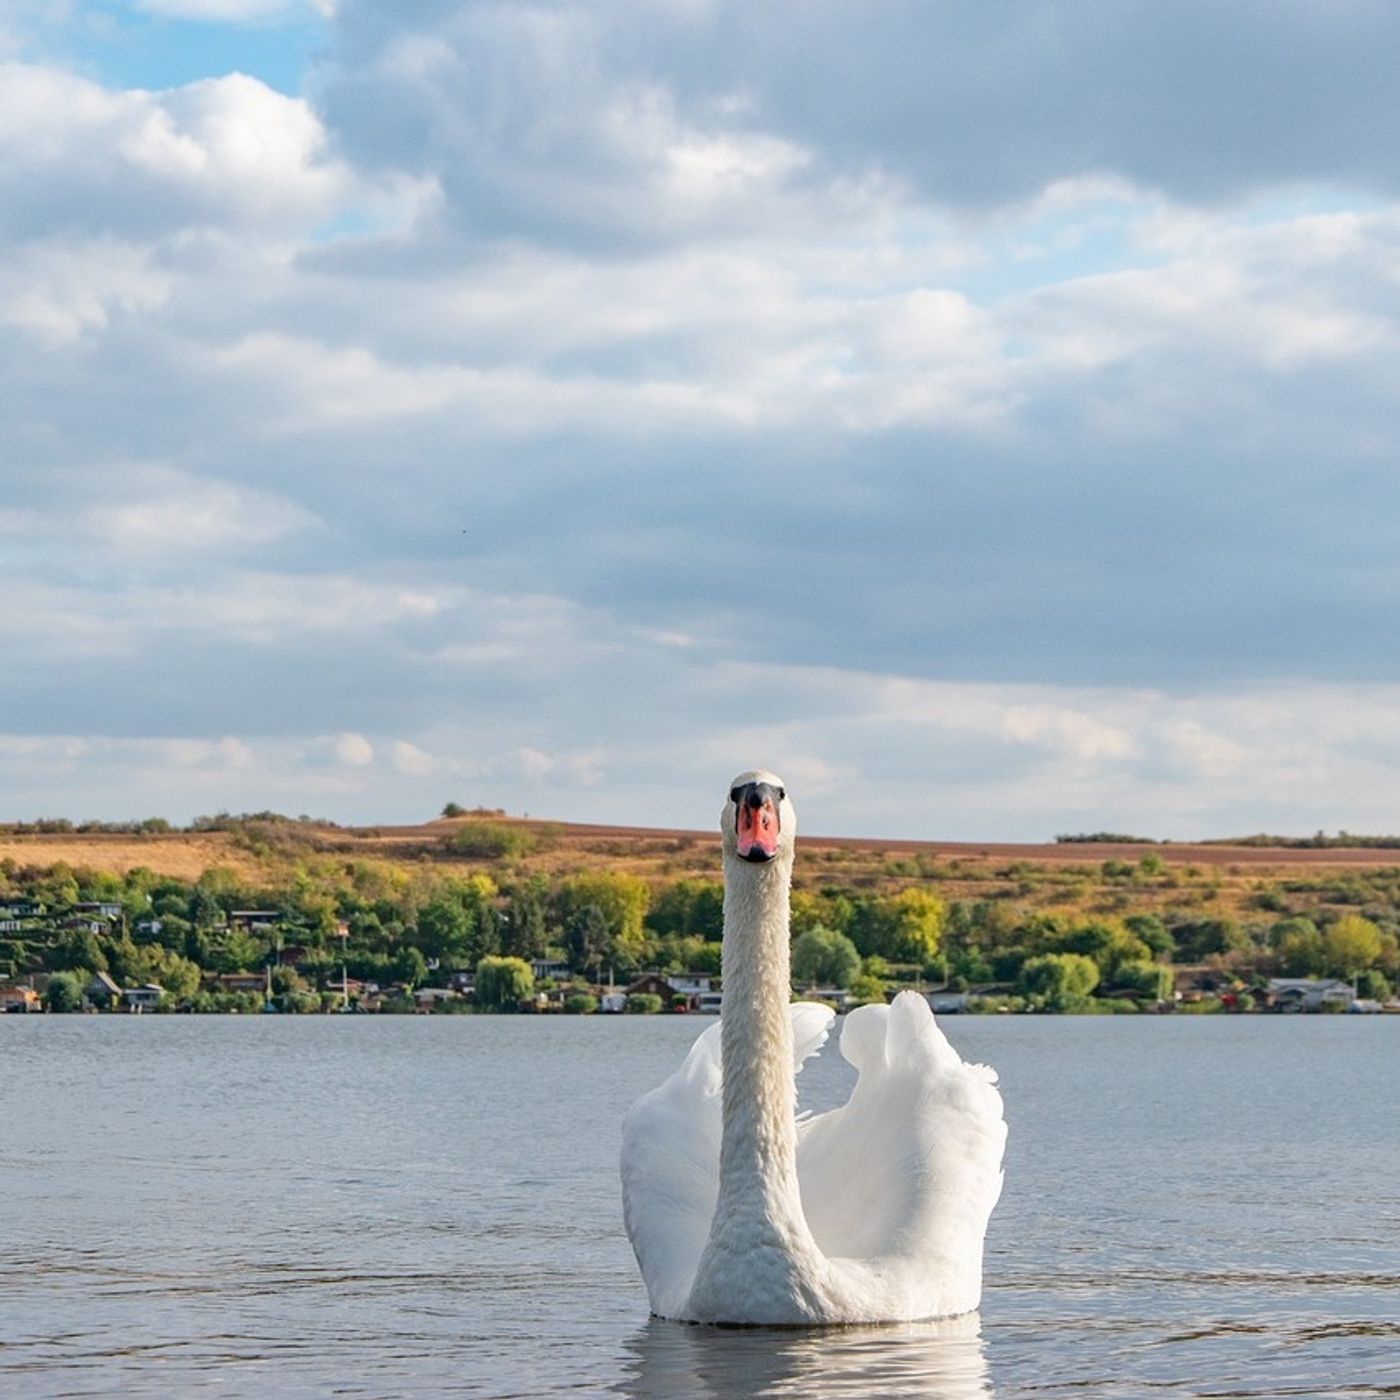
866,989
1106,941
77,948
910,924
830,907
587,938
236,951
1150,980
443,930
1060,981
1199,939
503,983
1150,929
410,966
622,901
688,907
203,908
1389,960
1299,948
1349,945
1373,985
64,992
822,957
484,939
525,927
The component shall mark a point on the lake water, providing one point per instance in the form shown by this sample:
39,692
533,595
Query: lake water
418,1206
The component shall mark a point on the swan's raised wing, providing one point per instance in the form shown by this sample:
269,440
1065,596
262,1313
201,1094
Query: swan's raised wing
898,1183
670,1161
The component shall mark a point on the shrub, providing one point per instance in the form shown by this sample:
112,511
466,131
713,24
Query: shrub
502,983
1149,929
64,992
866,989
1199,939
644,1004
1146,979
1060,981
491,841
1373,986
821,957
582,1004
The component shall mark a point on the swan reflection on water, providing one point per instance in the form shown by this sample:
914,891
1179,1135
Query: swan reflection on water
942,1358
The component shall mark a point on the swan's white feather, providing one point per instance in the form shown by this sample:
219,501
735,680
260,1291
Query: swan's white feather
670,1160
897,1184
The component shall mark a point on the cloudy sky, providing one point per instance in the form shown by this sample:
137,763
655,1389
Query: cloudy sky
988,416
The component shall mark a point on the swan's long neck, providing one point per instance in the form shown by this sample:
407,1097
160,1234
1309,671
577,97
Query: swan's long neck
760,1263
758,1153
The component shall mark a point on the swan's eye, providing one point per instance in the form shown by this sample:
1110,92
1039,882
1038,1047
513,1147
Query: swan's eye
782,794
733,794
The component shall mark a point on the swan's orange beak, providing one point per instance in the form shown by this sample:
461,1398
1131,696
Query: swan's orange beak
757,821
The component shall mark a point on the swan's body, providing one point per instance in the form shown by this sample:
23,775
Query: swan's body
873,1212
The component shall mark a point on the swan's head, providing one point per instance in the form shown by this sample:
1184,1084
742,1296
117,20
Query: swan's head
758,822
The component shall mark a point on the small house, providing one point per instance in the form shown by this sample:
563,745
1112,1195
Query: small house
20,999
947,1003
554,969
1309,994
253,920
144,998
426,998
679,989
1197,983
690,984
237,982
101,991
98,908
82,923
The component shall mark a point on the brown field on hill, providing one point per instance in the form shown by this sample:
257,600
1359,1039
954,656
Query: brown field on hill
185,856
1085,877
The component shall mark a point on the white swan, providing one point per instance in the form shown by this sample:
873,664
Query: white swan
873,1212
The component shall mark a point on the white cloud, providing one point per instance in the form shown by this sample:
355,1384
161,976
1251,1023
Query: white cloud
711,383
410,760
233,11
248,607
62,290
77,159
353,749
864,754
534,763
175,512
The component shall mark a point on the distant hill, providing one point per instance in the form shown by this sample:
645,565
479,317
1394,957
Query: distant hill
260,845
